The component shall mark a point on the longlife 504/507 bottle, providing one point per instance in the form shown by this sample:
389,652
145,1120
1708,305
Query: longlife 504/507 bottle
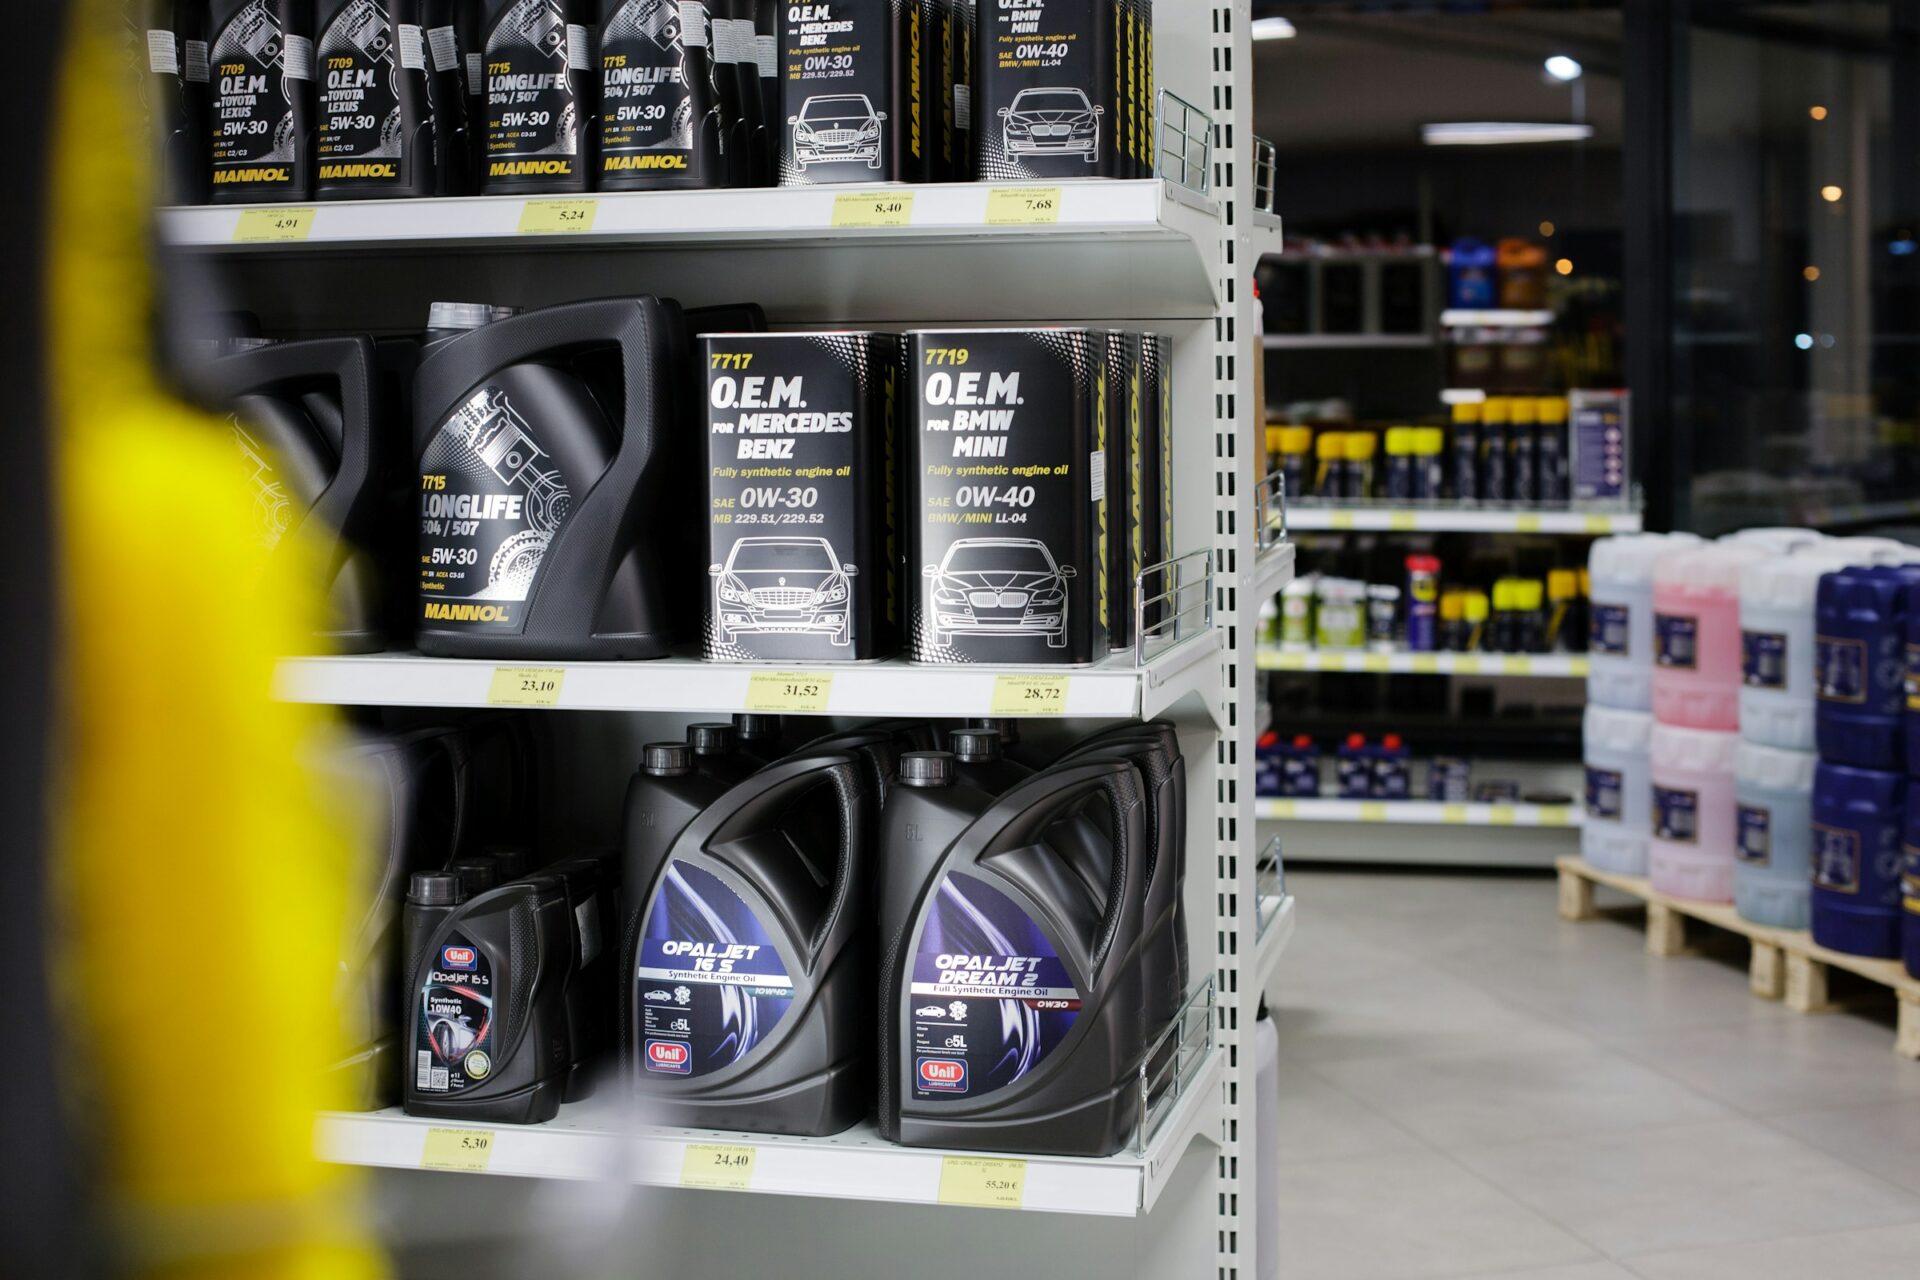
538,99
660,118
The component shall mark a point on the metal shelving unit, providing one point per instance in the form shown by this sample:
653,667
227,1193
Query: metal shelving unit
1461,519
1541,666
1422,813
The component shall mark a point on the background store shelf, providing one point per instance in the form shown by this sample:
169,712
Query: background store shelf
1346,341
1273,568
1462,520
1276,931
1450,664
1416,812
589,1141
1495,318
1115,689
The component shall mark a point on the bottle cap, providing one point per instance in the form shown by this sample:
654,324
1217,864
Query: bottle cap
1302,741
666,759
465,315
510,861
1296,440
1453,605
1562,584
926,769
1586,584
1525,410
750,727
1355,741
974,746
1009,730
1432,442
1528,595
1267,741
1330,444
1399,442
1465,413
1551,409
1361,445
434,889
1502,595
710,739
1391,742
1418,563
1275,433
1475,606
476,875
1497,409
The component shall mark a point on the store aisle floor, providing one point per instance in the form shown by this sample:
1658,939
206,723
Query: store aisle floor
1473,1088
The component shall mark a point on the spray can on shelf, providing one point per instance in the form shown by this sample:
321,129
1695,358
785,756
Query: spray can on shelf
1423,603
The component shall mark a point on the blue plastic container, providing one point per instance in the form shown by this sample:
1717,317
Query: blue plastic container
1913,683
1353,768
1910,883
1472,279
1857,826
1773,789
1860,624
1392,769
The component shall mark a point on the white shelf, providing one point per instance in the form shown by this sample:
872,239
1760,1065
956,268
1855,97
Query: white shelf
1272,568
1114,689
1267,233
1346,341
593,1140
1858,512
1495,318
1118,248
1417,813
1276,931
1557,665
1463,520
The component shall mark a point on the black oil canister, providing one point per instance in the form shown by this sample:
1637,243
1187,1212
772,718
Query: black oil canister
660,119
538,97
1047,92
374,115
172,44
859,92
262,126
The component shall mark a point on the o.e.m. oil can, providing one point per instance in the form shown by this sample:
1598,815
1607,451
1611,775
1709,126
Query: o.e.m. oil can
1048,82
261,53
860,92
538,97
375,110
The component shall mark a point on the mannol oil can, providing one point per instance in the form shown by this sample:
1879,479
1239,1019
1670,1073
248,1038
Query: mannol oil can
262,55
536,57
1117,425
1047,91
800,484
860,92
660,118
375,109
1153,458
1006,496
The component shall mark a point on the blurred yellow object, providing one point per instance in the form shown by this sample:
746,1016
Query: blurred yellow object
200,880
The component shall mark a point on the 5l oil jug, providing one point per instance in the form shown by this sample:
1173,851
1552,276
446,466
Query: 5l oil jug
172,43
748,954
540,439
537,97
660,120
1004,1022
375,110
262,118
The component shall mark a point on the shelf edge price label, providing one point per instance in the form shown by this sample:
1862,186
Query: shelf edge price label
873,209
1599,524
1579,667
1453,814
717,1166
1029,696
265,226
526,686
982,1182
1556,815
1282,808
1466,666
1500,815
1516,666
1340,520
1373,811
1426,665
459,1150
1376,662
799,692
1023,206
551,217
1402,522
1526,523
1288,661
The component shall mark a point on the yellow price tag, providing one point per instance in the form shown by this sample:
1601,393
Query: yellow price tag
461,1150
1282,808
717,1167
1516,666
803,692
262,226
551,217
1526,523
1029,696
873,209
1598,524
525,686
1022,206
1376,662
983,1183
1285,661
1466,665
1453,814
1554,815
1402,521
1500,815
1373,811
1426,664
1341,520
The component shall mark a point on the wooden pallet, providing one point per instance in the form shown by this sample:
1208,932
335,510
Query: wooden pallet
1786,964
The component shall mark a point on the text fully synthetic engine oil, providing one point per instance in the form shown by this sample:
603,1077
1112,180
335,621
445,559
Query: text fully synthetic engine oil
1005,1023
487,1000
799,489
1046,90
859,92
660,120
171,42
262,126
539,440
538,97
1006,495
1153,488
375,108
1118,422
308,423
747,950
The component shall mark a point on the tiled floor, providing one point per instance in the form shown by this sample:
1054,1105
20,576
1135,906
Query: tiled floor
1472,1088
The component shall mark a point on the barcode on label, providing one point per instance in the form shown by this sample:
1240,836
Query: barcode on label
693,24
733,41
196,53
446,48
296,58
163,53
439,1084
579,48
1097,467
476,82
963,106
767,52
423,1070
413,50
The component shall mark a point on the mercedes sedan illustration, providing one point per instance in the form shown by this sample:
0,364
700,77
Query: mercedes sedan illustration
1052,122
784,584
999,586
836,128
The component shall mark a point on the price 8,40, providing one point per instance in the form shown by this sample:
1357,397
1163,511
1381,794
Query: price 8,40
873,209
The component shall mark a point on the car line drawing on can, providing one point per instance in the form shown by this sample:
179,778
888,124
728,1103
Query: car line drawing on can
1052,122
784,584
999,586
835,129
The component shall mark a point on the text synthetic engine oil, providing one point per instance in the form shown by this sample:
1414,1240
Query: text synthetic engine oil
1048,75
747,950
799,489
375,108
1008,1020
1152,453
660,120
1006,496
171,42
538,97
539,440
262,127
859,95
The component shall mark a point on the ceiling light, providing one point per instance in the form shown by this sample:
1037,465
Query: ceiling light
1492,133
1817,112
1811,273
1831,194
1804,341
1272,29
1564,266
1563,68
1546,228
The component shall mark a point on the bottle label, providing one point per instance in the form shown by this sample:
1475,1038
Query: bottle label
273,506
1910,879
163,52
444,44
709,985
1763,659
195,65
533,109
1604,788
1607,629
491,501
1913,677
1754,835
1299,776
362,126
1392,780
990,997
453,1037
1836,859
1840,670
1676,641
1676,815
256,133
653,97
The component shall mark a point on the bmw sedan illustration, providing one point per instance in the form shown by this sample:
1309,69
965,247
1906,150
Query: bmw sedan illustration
784,584
1052,122
836,128
999,586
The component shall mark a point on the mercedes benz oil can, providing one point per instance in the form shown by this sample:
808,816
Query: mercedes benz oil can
859,92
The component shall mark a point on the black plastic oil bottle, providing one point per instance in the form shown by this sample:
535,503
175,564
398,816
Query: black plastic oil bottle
469,18
307,424
589,990
660,123
876,748
1004,1024
736,59
453,146
375,115
538,89
487,1000
747,946
171,42
539,442
767,18
261,53
716,752
979,761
